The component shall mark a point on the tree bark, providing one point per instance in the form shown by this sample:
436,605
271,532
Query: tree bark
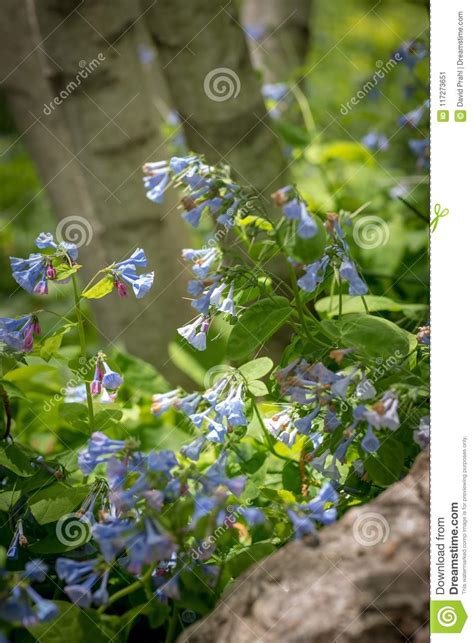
115,131
206,61
366,581
279,35
27,90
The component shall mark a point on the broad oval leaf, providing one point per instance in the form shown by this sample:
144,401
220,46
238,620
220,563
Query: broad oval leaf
256,368
372,336
309,250
13,459
100,289
51,504
330,305
257,324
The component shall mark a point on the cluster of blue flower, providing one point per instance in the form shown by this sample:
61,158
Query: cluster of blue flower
411,54
21,603
316,385
34,273
214,294
219,409
134,526
336,254
206,189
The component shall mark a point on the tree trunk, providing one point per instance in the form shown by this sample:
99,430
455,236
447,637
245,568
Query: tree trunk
205,59
115,131
279,35
27,90
366,581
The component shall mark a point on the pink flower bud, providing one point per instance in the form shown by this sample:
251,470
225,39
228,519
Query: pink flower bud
96,387
122,289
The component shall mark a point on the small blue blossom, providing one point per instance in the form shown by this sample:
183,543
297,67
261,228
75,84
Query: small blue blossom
314,274
125,273
18,334
421,435
156,180
196,333
194,448
370,443
296,210
349,273
375,141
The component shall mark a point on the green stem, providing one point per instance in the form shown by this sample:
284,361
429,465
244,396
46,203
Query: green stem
141,583
299,305
82,342
172,625
305,109
266,435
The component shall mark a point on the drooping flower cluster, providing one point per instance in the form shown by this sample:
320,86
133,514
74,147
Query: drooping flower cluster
337,253
206,189
81,577
215,413
21,604
296,209
305,515
326,393
125,275
105,378
18,334
33,273
214,294
133,526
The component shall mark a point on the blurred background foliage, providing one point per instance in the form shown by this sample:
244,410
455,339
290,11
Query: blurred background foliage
335,166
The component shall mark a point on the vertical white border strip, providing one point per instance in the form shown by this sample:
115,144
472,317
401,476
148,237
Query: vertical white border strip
452,293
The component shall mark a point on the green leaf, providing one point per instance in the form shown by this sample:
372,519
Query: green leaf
338,150
330,305
293,134
375,337
8,499
29,372
258,222
291,477
106,419
244,559
50,346
257,324
256,368
100,289
385,467
257,388
75,415
309,250
64,270
76,625
14,459
12,390
279,495
56,501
